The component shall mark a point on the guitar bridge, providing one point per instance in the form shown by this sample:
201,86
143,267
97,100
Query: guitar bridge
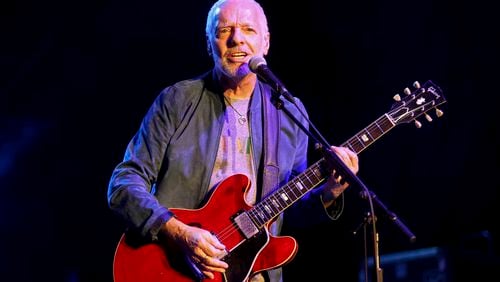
246,225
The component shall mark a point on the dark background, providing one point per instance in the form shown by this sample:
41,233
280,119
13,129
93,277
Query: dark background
77,77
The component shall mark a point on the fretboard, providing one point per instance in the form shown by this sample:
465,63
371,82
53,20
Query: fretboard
272,205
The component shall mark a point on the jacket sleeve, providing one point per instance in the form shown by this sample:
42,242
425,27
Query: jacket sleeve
309,210
130,189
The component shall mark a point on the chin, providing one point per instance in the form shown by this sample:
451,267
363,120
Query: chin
243,70
235,73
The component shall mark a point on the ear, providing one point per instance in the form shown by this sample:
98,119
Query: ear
267,42
209,47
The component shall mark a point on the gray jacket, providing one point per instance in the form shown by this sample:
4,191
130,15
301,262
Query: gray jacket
169,161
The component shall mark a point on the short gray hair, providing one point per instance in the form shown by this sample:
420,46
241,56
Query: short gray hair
209,28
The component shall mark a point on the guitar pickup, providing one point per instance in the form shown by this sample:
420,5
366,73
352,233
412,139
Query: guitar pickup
246,225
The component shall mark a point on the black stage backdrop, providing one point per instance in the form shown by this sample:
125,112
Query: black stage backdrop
77,77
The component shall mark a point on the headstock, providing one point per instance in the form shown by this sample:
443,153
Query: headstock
416,103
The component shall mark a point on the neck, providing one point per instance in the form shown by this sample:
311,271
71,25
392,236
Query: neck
238,87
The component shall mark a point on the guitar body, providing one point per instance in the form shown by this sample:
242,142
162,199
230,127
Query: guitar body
152,262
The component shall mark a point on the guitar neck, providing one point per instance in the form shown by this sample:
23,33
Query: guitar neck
369,134
271,206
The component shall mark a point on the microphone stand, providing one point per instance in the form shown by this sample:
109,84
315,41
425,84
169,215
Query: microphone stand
391,215
341,169
366,220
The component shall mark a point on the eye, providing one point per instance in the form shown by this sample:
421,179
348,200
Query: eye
221,31
249,29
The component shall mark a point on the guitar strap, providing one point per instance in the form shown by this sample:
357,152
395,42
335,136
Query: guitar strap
270,178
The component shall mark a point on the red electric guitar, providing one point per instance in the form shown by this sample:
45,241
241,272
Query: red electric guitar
243,229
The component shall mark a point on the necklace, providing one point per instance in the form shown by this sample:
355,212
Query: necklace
242,119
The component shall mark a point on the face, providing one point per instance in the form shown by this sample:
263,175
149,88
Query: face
236,32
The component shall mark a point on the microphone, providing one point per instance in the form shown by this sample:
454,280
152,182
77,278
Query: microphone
258,65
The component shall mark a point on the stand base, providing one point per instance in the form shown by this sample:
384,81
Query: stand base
428,264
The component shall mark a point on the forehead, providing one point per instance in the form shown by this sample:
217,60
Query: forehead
239,13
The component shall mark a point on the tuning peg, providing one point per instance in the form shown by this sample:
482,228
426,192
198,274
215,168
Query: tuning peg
407,91
397,97
416,84
428,117
439,113
418,124
318,146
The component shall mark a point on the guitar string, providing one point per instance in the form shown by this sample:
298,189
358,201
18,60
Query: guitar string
229,230
356,139
232,228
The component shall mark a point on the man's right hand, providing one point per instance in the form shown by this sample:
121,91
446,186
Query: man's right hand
201,246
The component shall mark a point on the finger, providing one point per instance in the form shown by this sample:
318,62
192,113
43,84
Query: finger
216,264
349,157
215,245
213,268
351,154
335,176
210,261
353,157
342,154
215,248
208,274
215,242
208,268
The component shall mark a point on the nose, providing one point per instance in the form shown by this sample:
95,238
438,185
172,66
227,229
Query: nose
238,36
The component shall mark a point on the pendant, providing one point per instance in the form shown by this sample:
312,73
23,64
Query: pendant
242,120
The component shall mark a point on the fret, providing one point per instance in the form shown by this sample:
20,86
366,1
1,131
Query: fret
284,196
295,191
306,176
276,204
376,131
299,185
359,145
268,212
350,147
388,118
380,128
257,217
269,207
279,200
270,203
263,211
275,208
317,173
368,135
262,216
